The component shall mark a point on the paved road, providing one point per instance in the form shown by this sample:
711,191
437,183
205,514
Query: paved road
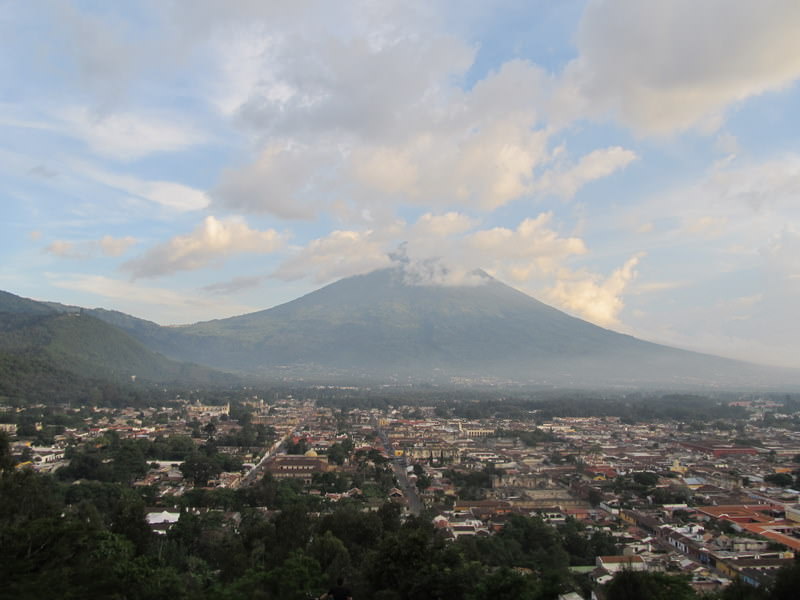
252,475
398,464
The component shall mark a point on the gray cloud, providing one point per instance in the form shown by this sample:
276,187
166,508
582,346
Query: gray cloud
43,171
662,67
237,284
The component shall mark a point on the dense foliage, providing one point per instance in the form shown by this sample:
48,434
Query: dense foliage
78,358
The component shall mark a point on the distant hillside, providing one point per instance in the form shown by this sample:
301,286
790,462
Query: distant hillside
41,342
9,303
33,378
90,347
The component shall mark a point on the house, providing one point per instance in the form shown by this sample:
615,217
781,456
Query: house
161,522
614,564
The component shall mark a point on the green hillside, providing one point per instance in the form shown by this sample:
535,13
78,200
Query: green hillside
9,303
34,378
48,350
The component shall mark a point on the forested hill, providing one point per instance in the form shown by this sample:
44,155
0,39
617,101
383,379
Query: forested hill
9,303
45,354
90,347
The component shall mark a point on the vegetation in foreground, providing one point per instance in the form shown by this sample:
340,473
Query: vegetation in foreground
82,538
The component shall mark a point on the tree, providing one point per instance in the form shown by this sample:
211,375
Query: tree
330,481
298,447
6,460
787,582
358,531
200,468
337,454
423,482
635,585
739,590
416,565
779,479
87,465
389,514
331,554
595,497
128,461
298,576
505,584
645,478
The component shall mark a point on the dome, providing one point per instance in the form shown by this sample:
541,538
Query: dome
310,453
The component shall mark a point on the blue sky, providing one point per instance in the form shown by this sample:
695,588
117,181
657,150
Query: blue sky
634,163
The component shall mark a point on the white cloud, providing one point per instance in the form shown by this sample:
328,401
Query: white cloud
129,136
739,204
286,180
168,194
212,241
443,249
119,135
484,165
338,254
661,67
63,249
160,304
105,246
731,238
445,225
339,132
112,246
439,250
317,83
766,186
651,287
782,253
592,297
96,51
530,251
242,62
705,225
741,303
726,143
442,147
595,165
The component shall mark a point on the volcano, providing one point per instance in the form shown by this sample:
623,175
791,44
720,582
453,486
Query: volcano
386,324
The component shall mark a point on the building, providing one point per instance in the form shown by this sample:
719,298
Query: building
290,466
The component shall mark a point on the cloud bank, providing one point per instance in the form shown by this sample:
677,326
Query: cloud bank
211,242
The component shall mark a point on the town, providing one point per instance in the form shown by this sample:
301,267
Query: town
712,501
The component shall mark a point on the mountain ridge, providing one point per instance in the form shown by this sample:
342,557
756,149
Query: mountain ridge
72,340
380,326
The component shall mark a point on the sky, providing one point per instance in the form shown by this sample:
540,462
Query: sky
635,163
